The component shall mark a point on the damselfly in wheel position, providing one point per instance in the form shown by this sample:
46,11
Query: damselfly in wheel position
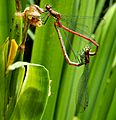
58,25
84,57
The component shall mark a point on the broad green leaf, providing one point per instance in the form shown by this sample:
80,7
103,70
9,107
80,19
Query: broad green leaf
111,114
33,96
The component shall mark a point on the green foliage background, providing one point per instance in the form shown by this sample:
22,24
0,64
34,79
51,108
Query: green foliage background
46,51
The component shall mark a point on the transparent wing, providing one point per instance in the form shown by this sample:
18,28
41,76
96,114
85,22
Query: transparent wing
82,24
82,100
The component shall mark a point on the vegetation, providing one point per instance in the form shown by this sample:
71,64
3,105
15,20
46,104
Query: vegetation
24,91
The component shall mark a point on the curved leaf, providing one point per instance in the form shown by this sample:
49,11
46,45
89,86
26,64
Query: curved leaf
33,97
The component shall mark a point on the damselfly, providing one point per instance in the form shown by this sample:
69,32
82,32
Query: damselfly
84,57
58,25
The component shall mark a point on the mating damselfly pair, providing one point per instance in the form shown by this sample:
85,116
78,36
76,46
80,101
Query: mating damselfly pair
33,15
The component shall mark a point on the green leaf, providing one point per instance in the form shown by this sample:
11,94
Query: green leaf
32,99
111,114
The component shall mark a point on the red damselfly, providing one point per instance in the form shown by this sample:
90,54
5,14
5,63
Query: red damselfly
84,56
58,25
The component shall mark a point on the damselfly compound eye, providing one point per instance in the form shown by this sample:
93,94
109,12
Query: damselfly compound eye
48,7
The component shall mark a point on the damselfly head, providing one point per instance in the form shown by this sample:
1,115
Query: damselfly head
86,50
48,7
84,56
